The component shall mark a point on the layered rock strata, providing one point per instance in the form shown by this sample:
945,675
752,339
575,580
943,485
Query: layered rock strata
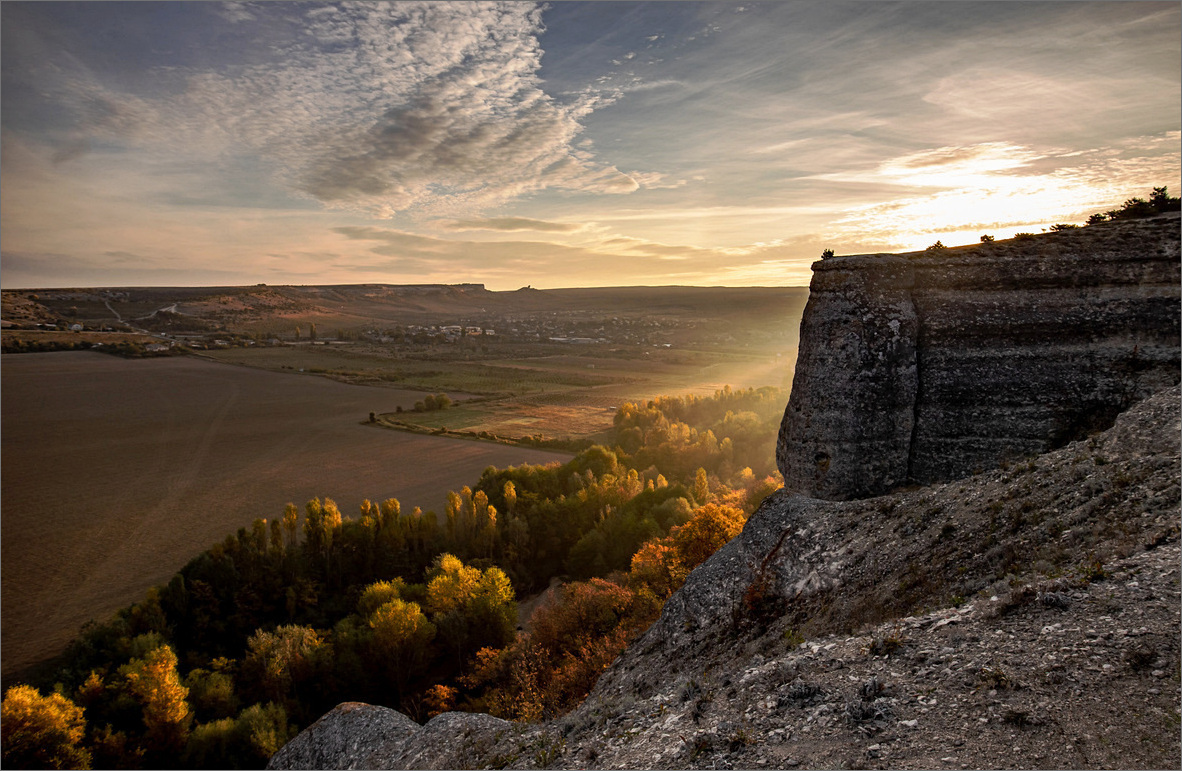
928,366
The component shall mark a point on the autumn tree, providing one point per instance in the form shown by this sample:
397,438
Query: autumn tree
378,594
450,584
400,636
658,566
471,608
710,529
291,518
153,681
41,731
281,664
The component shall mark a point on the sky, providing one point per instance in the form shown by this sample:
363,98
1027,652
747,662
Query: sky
562,144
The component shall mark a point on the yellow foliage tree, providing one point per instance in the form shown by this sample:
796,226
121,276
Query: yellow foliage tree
400,638
280,661
41,731
710,529
452,585
154,682
657,565
378,594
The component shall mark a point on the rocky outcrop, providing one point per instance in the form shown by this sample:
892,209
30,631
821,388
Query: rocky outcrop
1022,617
924,367
356,735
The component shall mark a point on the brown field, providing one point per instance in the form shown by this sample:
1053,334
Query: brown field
116,472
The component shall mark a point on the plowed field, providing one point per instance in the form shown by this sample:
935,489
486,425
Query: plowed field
116,472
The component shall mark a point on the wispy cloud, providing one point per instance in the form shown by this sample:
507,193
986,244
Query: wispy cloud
379,107
509,224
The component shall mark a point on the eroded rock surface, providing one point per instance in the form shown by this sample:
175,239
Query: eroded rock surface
356,735
927,366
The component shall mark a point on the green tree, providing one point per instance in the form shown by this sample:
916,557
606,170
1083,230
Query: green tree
41,731
279,664
211,693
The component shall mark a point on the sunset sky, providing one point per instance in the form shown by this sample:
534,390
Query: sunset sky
562,144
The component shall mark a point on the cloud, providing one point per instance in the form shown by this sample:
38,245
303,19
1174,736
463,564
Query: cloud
395,241
655,180
377,107
959,192
510,224
602,261
235,11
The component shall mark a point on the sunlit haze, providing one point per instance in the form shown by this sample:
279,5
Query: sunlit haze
562,144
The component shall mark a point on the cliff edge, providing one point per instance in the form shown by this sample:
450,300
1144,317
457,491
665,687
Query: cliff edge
927,366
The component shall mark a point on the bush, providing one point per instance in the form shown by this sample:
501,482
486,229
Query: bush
1134,208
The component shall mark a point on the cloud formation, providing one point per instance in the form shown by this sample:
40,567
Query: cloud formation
509,224
378,107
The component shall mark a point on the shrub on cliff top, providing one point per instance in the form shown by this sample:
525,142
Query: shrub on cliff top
1159,202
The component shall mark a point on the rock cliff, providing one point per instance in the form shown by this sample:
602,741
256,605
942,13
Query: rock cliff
924,367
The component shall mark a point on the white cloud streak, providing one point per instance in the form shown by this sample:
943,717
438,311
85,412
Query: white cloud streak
381,108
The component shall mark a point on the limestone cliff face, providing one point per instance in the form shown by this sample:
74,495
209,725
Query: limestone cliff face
925,367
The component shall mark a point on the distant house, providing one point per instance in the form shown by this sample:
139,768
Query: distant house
156,347
75,327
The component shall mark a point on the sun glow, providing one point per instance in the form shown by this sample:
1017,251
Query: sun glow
958,194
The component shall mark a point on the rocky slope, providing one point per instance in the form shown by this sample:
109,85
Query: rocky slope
1023,617
923,367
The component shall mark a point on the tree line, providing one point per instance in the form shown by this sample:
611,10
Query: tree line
268,629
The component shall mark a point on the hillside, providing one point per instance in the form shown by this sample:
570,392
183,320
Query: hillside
1020,611
1025,617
